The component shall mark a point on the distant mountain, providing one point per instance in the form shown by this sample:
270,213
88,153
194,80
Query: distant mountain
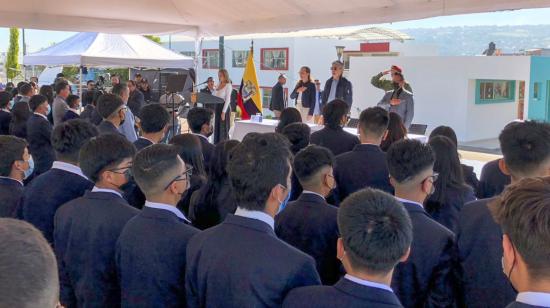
468,41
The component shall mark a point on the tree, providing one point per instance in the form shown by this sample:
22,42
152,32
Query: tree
12,58
153,38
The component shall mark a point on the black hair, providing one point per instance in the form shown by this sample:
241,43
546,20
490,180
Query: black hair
408,158
309,161
60,85
444,131
132,82
298,134
119,88
197,117
25,89
374,121
103,152
89,81
525,145
152,165
60,75
256,166
333,113
68,137
154,118
288,116
5,98
447,164
72,100
190,151
11,150
36,101
20,84
107,104
47,91
375,229
396,131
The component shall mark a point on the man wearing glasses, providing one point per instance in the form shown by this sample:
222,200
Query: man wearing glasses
86,229
151,250
337,86
113,111
426,279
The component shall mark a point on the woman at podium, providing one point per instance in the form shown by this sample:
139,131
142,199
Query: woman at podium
223,91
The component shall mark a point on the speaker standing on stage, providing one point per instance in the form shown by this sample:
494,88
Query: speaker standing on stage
337,87
223,91
399,101
278,99
304,94
388,85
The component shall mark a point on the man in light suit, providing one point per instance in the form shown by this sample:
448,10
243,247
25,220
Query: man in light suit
399,101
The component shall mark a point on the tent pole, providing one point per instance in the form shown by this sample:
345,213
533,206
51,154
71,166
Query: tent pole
80,84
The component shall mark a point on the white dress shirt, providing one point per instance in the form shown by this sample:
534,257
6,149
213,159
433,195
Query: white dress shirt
69,168
107,190
409,201
368,283
225,94
258,215
166,207
534,298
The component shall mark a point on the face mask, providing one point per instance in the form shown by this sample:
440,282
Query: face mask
285,202
11,104
49,109
29,171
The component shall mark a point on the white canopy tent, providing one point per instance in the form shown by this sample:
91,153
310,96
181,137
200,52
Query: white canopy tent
227,17
108,50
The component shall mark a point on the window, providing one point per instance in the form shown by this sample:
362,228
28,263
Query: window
210,58
274,59
266,95
239,58
536,90
188,53
495,91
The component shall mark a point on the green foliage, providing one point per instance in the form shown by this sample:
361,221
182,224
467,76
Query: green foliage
12,58
153,38
122,72
71,72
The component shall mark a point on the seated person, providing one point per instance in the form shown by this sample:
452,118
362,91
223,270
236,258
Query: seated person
492,180
526,150
73,101
309,223
289,115
333,136
29,270
154,124
112,110
151,264
426,279
396,132
523,213
63,182
15,166
87,228
39,131
241,262
366,165
5,113
375,235
298,134
201,124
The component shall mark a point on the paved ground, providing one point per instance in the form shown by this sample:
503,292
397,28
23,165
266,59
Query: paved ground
476,159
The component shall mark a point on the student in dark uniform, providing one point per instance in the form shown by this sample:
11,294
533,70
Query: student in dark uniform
39,131
151,264
73,101
200,123
241,262
14,166
5,113
523,213
64,182
87,228
298,134
526,150
376,235
309,223
426,279
366,165
492,180
113,111
333,136
154,124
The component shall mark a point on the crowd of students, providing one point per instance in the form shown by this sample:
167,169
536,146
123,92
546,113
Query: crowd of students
293,219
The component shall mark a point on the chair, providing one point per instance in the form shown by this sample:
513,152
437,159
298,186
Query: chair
353,123
418,129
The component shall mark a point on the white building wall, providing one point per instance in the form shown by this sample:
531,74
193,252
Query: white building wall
444,90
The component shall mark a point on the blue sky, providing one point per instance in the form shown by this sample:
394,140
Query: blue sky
37,39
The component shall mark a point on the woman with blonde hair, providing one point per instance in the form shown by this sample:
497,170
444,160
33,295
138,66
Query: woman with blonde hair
223,113
304,94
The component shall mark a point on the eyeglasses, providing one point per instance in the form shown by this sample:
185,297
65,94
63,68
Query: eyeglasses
333,68
182,177
127,170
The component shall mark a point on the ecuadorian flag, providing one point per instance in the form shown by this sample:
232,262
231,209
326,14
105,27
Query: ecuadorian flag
249,98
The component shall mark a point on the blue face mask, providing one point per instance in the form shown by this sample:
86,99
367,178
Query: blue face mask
11,104
29,171
49,109
285,202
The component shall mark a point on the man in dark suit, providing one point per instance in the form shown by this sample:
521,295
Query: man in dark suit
526,150
136,101
87,228
241,262
113,111
73,101
5,114
333,136
14,164
200,123
39,131
278,102
426,279
309,223
154,124
61,184
376,235
523,213
151,265
366,165
337,87
209,86
492,180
